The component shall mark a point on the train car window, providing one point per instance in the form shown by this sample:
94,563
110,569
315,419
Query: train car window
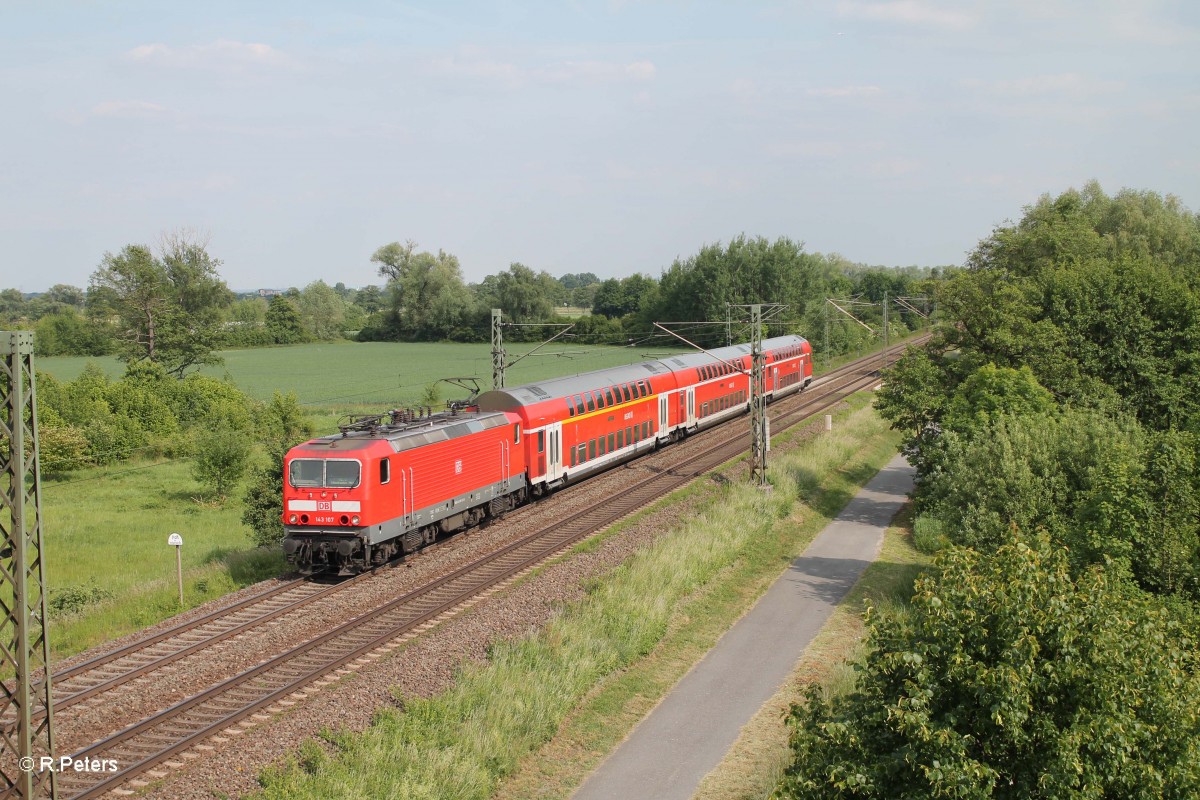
572,456
385,470
582,452
620,439
645,388
541,441
591,403
578,404
608,397
625,392
570,408
341,474
611,440
602,448
629,436
591,449
645,429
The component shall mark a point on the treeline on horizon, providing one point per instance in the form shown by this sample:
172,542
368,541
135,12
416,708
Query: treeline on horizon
169,303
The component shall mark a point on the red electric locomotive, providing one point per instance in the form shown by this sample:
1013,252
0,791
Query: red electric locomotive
390,484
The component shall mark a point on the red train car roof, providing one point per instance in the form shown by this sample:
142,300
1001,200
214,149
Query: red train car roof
531,393
405,433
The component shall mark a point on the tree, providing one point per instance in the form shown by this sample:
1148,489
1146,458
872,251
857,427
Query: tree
1009,679
283,322
322,311
427,298
745,271
285,425
168,309
62,294
263,512
616,298
522,294
12,304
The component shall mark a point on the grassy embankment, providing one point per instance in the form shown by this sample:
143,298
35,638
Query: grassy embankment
544,710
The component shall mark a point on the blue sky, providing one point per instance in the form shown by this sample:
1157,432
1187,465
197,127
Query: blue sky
608,137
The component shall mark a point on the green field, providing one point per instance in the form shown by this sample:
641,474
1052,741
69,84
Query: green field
395,373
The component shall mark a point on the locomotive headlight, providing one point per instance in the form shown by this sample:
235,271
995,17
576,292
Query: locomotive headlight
292,519
354,520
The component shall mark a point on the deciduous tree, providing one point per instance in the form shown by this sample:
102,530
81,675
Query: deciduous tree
1009,679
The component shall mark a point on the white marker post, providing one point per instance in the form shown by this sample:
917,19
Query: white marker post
177,540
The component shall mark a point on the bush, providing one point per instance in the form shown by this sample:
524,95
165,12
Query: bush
62,448
928,535
112,439
74,599
220,455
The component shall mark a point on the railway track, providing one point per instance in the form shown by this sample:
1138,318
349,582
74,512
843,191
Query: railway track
178,733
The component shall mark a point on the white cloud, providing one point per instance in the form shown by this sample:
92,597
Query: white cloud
128,108
223,54
909,12
846,91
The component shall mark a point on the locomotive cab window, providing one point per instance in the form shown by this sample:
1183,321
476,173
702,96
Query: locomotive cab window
321,473
516,434
305,473
341,474
385,470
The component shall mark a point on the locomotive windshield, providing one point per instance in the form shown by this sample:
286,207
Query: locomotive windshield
319,473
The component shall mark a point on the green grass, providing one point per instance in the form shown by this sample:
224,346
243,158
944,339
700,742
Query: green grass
105,536
619,649
337,373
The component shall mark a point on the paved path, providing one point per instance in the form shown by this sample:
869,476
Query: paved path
690,731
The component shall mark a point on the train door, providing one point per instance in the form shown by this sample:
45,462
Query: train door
406,498
663,420
774,379
554,465
691,407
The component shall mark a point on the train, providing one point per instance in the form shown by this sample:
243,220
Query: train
388,484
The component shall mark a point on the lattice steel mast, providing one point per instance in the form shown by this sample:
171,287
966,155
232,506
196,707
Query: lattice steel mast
26,721
498,354
758,401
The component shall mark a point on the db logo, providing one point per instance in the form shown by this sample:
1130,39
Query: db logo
458,467
324,505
